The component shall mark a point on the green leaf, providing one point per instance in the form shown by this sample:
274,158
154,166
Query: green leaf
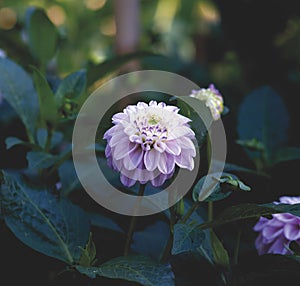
88,255
96,72
224,188
12,141
287,154
133,268
42,35
152,240
263,117
40,160
104,222
56,228
72,86
220,254
42,136
48,108
17,88
187,237
250,211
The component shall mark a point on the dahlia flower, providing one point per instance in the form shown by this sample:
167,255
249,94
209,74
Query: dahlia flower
276,234
147,141
212,98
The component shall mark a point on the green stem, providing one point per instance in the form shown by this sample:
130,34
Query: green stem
237,247
167,249
190,211
49,138
210,212
133,223
169,244
59,162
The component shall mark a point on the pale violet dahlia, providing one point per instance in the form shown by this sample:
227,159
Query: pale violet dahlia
212,99
147,141
277,233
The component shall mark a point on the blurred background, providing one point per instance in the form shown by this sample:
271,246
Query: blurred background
238,45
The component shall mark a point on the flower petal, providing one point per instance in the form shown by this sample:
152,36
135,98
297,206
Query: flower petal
180,131
292,231
133,158
151,159
173,147
127,181
185,160
166,163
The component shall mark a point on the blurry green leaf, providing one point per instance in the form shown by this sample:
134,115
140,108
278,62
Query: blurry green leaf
17,88
56,228
104,222
152,240
96,72
187,237
48,108
224,187
287,154
250,211
42,35
68,178
88,254
12,141
220,254
252,144
42,136
133,268
40,160
72,86
263,116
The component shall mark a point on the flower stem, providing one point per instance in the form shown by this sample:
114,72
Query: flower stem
237,247
133,223
190,211
210,212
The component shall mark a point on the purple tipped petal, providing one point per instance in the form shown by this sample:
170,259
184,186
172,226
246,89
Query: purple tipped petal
159,180
292,231
151,159
184,160
126,181
134,158
173,147
181,131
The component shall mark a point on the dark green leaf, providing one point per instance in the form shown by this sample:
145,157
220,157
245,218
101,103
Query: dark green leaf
12,141
224,187
88,254
152,240
42,35
56,228
48,109
72,86
287,154
133,268
263,117
248,211
40,160
42,136
68,178
220,254
104,222
17,88
187,237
